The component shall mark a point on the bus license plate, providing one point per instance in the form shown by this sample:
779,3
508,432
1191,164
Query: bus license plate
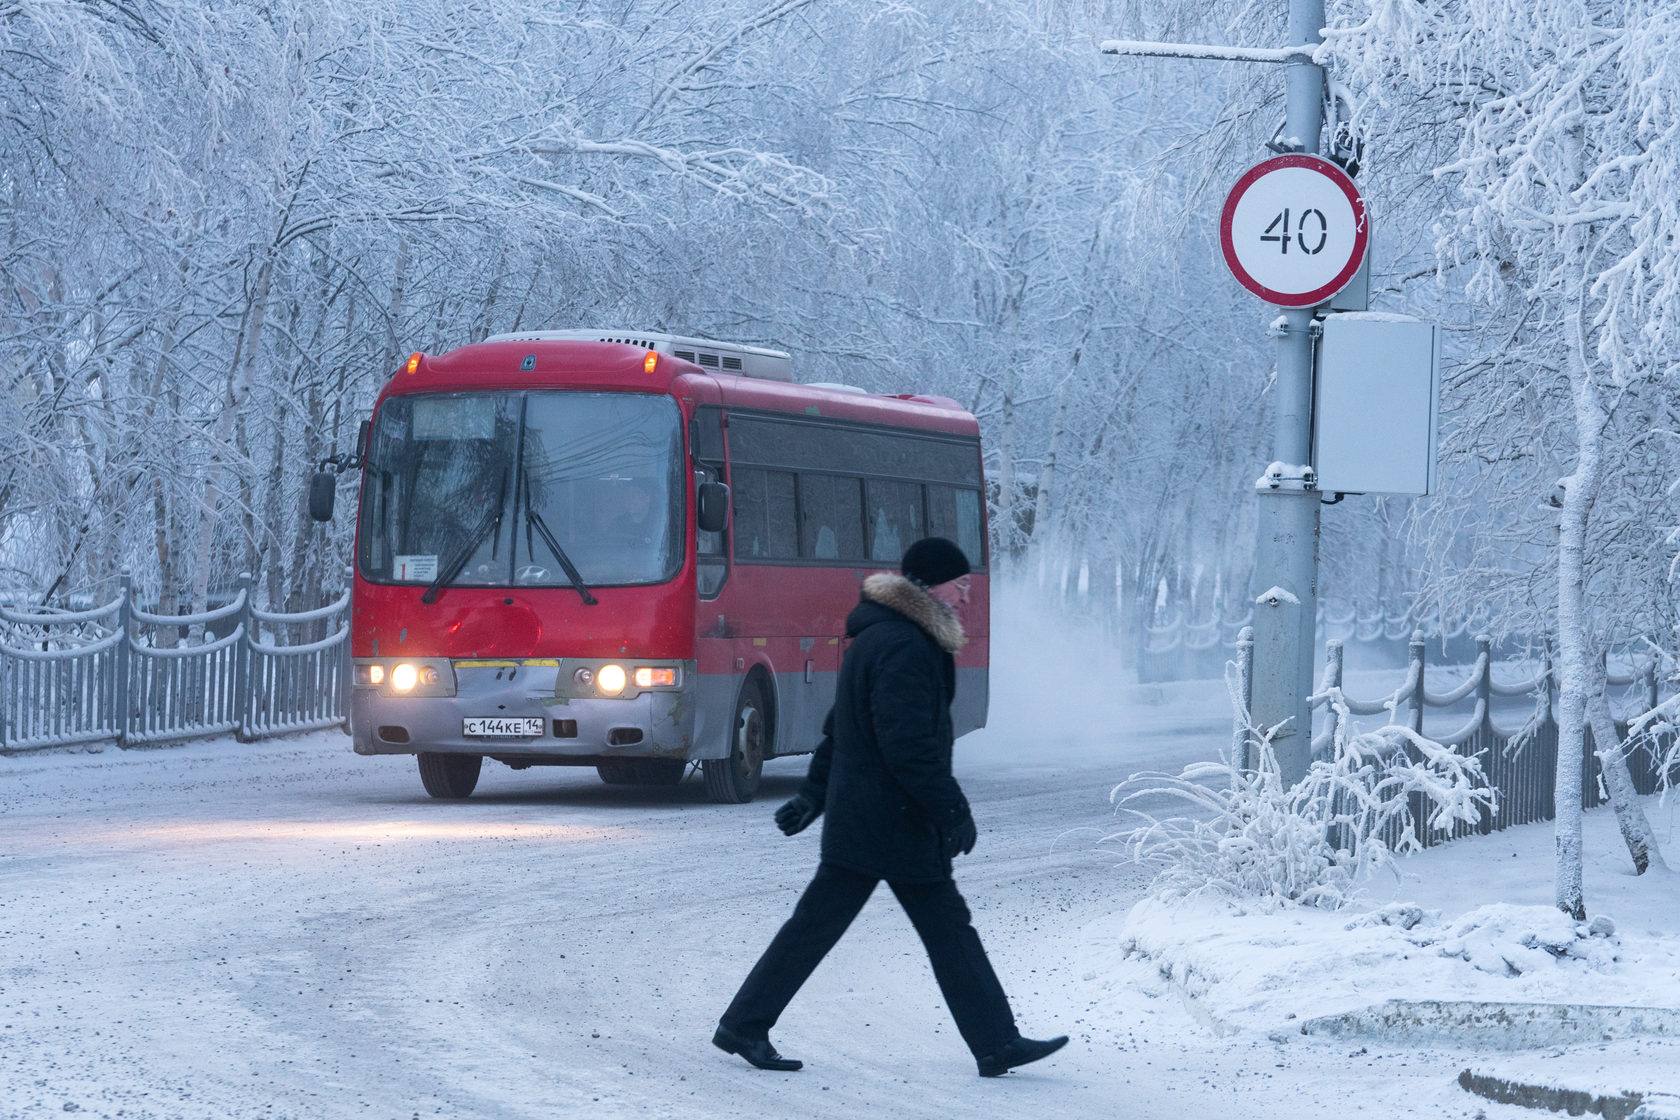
498,728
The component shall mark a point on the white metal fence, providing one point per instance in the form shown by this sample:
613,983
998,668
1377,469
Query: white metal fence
1520,762
117,673
1180,649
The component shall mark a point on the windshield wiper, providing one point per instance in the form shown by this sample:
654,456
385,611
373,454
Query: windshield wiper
532,517
447,574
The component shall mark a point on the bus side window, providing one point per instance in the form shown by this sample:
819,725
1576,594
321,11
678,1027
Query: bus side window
746,493
376,558
894,517
781,516
830,517
711,550
765,525
954,513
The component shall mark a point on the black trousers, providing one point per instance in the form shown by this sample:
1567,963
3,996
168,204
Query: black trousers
828,906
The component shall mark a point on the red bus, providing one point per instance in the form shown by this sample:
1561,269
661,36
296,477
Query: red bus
635,552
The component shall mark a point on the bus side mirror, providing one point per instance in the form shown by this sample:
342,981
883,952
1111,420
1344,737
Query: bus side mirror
323,488
713,513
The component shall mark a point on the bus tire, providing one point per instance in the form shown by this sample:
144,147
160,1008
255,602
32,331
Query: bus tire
642,771
452,776
734,780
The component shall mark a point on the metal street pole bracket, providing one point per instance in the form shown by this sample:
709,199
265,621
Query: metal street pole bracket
1282,477
1280,328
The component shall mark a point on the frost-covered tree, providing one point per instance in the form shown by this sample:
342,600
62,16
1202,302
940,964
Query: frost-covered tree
1564,177
222,225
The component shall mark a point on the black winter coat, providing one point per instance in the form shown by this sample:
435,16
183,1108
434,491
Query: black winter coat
883,769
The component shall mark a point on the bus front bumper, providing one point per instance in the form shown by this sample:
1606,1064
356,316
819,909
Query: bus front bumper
581,731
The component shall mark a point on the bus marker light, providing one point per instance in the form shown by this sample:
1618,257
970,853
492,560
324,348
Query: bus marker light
413,362
585,677
610,679
404,677
651,678
428,675
649,362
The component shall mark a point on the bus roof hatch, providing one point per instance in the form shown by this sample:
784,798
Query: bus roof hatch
709,354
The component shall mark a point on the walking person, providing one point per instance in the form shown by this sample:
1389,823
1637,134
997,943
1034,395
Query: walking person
882,775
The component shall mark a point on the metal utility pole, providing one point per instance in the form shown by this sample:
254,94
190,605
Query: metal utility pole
1286,550
1286,546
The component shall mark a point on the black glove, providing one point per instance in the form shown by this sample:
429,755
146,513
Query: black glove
796,814
959,837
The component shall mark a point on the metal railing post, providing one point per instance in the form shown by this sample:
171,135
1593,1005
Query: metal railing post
344,664
1551,687
1482,742
120,660
1652,751
1333,679
1484,682
1241,755
242,663
1416,666
1545,796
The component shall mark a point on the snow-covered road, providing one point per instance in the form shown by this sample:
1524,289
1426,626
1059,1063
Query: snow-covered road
287,930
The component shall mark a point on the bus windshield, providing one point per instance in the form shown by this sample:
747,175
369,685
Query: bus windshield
503,489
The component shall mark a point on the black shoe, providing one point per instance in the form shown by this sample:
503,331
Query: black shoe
758,1051
1018,1052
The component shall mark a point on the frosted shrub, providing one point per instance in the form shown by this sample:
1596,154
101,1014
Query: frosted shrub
1243,835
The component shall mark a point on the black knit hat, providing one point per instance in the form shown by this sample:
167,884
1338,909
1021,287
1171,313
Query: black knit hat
934,560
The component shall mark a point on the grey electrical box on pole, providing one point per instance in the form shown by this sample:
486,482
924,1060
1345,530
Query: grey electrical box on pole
1374,422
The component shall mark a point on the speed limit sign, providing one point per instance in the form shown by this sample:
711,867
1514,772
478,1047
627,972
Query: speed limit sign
1293,230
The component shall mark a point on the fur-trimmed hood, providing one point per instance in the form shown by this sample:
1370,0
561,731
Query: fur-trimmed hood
899,594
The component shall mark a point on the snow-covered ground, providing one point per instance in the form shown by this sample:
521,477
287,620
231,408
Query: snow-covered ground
287,930
1537,997
1468,921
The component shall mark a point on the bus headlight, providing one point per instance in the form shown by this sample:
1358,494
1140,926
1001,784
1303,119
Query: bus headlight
619,680
415,676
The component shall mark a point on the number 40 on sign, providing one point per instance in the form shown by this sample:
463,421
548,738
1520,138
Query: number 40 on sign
1293,230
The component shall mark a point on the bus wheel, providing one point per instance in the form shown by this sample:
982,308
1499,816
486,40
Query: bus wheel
450,775
642,771
734,780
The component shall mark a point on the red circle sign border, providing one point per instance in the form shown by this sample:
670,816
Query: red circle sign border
1361,233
